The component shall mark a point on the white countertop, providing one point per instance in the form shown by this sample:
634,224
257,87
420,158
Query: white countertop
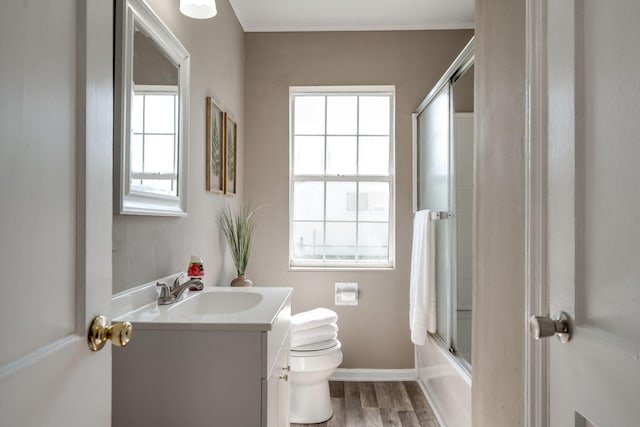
258,318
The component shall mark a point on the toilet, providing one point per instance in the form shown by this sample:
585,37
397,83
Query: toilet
311,364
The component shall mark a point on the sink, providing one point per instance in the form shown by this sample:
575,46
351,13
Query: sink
213,308
206,303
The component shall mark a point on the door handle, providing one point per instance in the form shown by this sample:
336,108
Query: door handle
100,332
543,327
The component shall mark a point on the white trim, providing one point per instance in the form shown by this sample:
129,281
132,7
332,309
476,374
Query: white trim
359,92
128,199
153,89
342,374
37,355
342,90
323,28
536,353
465,115
294,268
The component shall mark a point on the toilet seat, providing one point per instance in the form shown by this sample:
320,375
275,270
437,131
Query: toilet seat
316,349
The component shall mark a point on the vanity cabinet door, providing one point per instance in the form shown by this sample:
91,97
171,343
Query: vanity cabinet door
284,386
279,390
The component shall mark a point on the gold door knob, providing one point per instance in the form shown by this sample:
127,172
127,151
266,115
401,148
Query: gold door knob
100,332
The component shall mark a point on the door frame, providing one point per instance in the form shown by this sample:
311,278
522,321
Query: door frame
536,354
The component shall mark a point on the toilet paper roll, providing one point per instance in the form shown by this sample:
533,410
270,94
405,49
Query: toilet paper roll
348,296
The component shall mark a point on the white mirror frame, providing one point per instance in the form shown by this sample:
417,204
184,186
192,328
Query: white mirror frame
126,201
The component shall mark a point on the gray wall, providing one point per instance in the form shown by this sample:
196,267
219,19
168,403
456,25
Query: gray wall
463,92
375,334
146,248
498,306
150,65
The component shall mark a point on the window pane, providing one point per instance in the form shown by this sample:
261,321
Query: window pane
374,115
159,114
342,115
341,155
308,240
373,155
309,155
373,241
159,153
373,201
136,153
136,114
309,115
308,201
341,201
341,240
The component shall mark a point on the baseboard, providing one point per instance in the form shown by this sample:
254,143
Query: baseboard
374,375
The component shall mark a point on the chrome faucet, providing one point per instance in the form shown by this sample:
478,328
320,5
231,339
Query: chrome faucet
194,284
171,294
165,297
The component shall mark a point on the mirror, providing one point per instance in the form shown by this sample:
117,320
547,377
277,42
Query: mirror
152,81
444,182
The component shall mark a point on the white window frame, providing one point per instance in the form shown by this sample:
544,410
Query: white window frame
296,264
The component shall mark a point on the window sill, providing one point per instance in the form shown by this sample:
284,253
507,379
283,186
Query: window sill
336,268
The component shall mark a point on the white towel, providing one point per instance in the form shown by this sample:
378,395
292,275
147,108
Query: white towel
314,335
313,318
422,302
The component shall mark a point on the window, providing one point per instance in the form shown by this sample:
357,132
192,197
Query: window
342,186
154,126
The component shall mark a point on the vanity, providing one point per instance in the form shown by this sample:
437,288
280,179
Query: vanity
217,358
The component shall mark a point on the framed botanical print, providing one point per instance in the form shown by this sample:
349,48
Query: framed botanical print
231,152
215,147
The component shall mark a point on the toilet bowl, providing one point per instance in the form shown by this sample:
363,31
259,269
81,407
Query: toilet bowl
310,372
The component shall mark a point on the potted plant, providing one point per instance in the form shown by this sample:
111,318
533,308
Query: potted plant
238,227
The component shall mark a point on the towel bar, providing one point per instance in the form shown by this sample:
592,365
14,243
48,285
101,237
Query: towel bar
438,215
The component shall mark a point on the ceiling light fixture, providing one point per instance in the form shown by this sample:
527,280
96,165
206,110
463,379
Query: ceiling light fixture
198,9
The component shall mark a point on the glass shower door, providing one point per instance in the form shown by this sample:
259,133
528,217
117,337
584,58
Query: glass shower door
434,193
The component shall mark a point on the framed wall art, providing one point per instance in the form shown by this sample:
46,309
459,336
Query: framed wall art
215,147
231,152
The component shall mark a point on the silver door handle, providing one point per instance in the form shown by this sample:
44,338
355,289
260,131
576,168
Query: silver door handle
543,327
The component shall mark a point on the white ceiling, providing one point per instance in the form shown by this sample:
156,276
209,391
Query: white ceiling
352,15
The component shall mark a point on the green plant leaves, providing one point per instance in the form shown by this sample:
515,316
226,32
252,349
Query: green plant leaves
238,228
215,149
231,155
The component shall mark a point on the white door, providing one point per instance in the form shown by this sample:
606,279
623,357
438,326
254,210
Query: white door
55,210
593,210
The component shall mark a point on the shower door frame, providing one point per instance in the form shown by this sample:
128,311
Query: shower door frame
460,65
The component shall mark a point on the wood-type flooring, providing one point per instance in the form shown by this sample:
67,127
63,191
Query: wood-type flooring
378,404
